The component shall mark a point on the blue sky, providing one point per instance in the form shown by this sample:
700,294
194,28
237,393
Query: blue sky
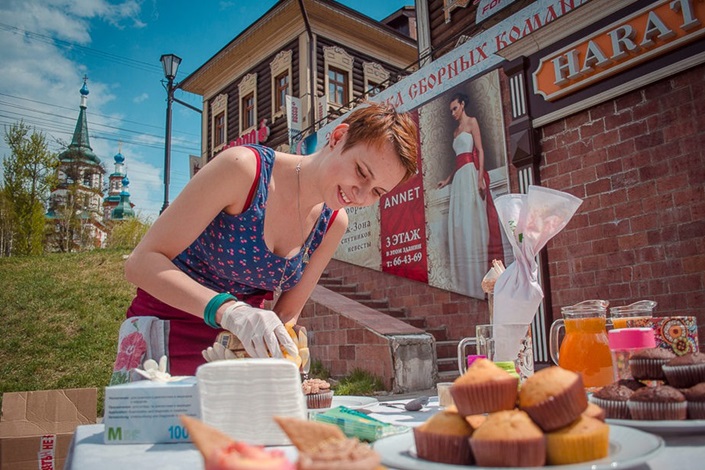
46,47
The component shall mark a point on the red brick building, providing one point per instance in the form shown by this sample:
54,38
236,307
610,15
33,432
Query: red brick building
621,128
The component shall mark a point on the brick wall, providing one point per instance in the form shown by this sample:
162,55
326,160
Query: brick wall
638,163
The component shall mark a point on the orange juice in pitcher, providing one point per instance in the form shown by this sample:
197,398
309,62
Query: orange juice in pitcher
641,310
585,346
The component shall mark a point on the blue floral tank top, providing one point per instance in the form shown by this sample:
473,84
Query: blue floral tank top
231,255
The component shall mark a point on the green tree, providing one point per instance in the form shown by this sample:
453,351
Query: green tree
126,234
28,177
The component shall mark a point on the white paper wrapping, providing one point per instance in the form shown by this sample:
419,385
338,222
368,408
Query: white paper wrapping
529,220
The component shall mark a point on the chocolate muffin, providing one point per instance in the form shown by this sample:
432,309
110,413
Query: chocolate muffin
631,384
686,370
613,399
695,396
646,364
657,403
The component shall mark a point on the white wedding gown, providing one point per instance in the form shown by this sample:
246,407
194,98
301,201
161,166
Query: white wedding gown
468,232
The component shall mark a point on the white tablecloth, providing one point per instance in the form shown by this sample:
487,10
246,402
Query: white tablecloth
87,450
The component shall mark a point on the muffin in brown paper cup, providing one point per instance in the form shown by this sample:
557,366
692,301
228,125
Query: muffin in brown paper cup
695,397
646,364
319,400
444,437
553,398
613,399
443,448
508,439
661,402
484,388
686,370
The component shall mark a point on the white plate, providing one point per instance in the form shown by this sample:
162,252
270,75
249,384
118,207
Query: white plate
628,447
349,401
687,426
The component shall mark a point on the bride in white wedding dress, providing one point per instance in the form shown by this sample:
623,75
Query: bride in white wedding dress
474,236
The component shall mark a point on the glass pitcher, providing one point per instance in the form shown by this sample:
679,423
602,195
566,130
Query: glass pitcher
585,347
640,310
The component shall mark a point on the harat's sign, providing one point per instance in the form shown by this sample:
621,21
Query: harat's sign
650,32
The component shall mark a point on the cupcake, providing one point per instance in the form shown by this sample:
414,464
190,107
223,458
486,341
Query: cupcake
695,397
613,399
508,439
443,438
657,403
318,393
581,441
484,388
631,384
594,411
686,370
646,364
553,397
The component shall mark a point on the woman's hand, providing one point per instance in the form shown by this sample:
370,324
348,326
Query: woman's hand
260,331
443,183
481,186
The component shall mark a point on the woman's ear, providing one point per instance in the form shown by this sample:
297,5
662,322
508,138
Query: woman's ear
338,134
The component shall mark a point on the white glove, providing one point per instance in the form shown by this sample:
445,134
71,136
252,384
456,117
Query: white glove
260,331
217,352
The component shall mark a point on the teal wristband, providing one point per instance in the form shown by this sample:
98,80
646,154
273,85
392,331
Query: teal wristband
213,306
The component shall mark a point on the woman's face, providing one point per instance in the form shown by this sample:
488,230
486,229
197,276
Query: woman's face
457,109
362,174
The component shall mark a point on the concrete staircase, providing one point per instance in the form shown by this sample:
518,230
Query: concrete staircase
446,349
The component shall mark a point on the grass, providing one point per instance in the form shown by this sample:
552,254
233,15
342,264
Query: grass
60,319
359,382
60,316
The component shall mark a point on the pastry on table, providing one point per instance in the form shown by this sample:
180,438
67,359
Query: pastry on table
554,397
323,446
484,388
220,452
581,441
443,438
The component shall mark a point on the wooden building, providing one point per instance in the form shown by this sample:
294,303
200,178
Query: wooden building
319,52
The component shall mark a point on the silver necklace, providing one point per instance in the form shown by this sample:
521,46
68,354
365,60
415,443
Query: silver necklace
307,242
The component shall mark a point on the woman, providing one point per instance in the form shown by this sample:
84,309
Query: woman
254,222
473,226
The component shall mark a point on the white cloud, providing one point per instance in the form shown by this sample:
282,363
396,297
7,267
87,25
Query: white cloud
140,98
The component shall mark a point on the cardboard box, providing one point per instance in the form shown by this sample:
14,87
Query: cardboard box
36,427
146,412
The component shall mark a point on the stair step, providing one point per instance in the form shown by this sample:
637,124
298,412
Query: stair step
447,348
342,288
375,303
330,281
447,364
440,333
448,375
359,296
418,322
399,313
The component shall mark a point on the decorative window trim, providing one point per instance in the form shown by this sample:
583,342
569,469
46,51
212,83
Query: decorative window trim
219,105
374,73
248,86
279,66
334,56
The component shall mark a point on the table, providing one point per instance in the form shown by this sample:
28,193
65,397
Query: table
88,451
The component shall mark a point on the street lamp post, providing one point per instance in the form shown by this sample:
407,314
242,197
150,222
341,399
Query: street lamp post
170,62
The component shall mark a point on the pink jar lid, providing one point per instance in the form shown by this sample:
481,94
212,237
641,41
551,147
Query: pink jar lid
631,338
472,358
